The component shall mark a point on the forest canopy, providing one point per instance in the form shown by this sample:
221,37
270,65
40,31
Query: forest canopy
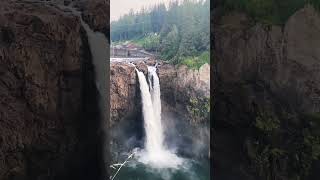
178,33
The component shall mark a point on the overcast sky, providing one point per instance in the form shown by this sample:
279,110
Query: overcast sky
121,7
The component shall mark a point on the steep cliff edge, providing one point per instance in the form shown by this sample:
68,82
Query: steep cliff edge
48,105
96,14
123,93
180,89
267,97
185,107
186,91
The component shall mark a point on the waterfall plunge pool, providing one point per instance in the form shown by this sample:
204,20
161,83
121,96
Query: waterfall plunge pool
155,157
189,170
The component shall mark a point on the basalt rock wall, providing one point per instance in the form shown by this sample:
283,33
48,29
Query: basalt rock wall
49,114
266,96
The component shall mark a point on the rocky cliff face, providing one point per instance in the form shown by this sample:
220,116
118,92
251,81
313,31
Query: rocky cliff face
179,86
48,104
185,95
96,14
185,107
124,96
284,58
186,91
268,84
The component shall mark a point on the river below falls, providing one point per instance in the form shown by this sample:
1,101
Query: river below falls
191,170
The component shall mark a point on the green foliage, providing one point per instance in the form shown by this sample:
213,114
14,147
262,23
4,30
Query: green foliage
196,62
314,3
183,28
170,45
190,62
268,11
150,42
295,145
312,143
204,58
199,108
276,152
264,157
267,122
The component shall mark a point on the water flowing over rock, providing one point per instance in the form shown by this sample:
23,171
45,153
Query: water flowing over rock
124,92
183,92
154,86
155,153
153,127
179,85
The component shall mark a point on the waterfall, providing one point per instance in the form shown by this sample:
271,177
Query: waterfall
155,153
155,96
152,124
155,92
98,45
100,56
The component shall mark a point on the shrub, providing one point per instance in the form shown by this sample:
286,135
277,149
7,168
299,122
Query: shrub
197,61
267,123
268,11
199,109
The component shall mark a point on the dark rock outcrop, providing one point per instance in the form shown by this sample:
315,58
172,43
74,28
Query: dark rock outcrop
283,58
267,79
96,13
49,113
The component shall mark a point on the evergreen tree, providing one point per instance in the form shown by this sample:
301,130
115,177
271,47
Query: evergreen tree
178,31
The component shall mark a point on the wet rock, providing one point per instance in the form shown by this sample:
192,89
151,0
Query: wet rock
96,14
151,62
123,92
47,93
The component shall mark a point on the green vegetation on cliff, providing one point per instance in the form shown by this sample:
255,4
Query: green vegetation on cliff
267,11
195,62
290,146
179,33
199,108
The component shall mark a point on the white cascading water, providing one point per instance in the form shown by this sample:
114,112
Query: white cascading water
98,44
100,55
155,153
151,124
155,92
